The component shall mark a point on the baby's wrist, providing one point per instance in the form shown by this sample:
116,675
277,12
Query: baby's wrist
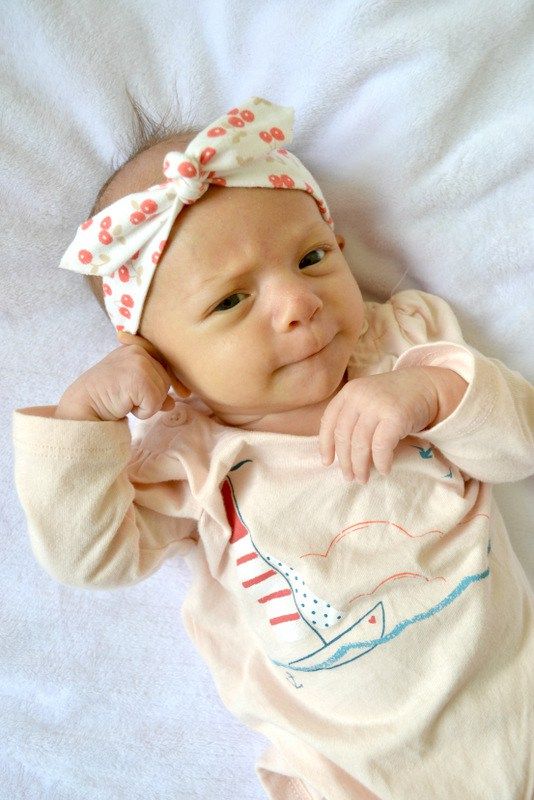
450,388
69,408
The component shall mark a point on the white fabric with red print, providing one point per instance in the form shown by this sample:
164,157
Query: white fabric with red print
124,242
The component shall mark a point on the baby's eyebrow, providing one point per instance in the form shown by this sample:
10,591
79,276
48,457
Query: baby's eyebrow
225,277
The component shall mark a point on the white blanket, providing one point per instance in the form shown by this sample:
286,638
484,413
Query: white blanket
416,118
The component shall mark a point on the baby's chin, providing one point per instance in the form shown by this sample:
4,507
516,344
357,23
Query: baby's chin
285,402
299,415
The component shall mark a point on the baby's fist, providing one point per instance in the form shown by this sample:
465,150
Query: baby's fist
368,417
130,379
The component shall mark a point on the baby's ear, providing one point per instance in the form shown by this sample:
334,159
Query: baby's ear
133,338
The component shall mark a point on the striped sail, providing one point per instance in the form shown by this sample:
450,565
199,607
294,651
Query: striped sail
291,608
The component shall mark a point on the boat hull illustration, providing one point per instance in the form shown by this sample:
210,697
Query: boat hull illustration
351,643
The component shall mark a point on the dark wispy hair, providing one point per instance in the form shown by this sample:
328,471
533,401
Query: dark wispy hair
146,131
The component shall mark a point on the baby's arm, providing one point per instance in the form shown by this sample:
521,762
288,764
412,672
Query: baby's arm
479,413
89,500
367,418
450,389
490,433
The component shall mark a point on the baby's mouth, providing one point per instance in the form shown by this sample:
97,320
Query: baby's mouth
313,353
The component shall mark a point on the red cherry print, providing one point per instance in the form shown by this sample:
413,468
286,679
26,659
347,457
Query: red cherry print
105,223
247,115
162,244
85,256
155,257
119,327
287,182
149,206
135,255
126,299
308,188
124,312
187,169
207,154
137,217
105,237
86,224
218,181
266,136
233,111
106,288
277,133
124,274
236,122
276,181
217,131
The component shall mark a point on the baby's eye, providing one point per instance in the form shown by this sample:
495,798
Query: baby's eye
231,302
315,260
226,304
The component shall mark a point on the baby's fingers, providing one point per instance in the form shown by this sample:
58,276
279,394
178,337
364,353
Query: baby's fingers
385,439
147,398
131,338
327,428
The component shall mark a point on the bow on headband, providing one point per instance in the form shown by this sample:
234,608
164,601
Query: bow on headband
124,242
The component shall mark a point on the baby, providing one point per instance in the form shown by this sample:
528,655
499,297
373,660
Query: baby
323,464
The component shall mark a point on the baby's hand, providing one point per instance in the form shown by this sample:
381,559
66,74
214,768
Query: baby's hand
133,378
370,415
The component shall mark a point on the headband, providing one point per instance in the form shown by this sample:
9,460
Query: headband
124,242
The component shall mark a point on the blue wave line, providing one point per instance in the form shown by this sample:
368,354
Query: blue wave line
462,586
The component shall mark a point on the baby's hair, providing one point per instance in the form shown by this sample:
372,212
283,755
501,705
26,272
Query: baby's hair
146,131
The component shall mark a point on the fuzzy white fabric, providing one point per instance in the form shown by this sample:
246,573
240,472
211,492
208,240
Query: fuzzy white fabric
416,119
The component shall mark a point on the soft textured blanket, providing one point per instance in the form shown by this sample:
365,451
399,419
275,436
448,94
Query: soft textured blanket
416,119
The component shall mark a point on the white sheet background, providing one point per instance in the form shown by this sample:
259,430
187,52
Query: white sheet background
416,118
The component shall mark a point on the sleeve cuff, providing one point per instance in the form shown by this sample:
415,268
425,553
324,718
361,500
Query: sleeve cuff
440,354
478,399
35,427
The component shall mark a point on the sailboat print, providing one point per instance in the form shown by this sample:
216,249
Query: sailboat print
291,608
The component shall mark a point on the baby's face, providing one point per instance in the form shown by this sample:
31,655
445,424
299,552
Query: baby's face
250,283
253,283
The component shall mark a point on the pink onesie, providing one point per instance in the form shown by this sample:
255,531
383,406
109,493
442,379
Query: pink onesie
380,635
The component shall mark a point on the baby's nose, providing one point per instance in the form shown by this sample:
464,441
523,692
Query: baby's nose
292,304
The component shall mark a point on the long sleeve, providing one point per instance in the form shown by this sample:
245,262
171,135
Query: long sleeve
90,505
490,435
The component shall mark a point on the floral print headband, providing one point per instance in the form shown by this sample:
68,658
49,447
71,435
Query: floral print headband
124,242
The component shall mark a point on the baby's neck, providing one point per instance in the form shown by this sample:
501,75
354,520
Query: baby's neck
304,421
